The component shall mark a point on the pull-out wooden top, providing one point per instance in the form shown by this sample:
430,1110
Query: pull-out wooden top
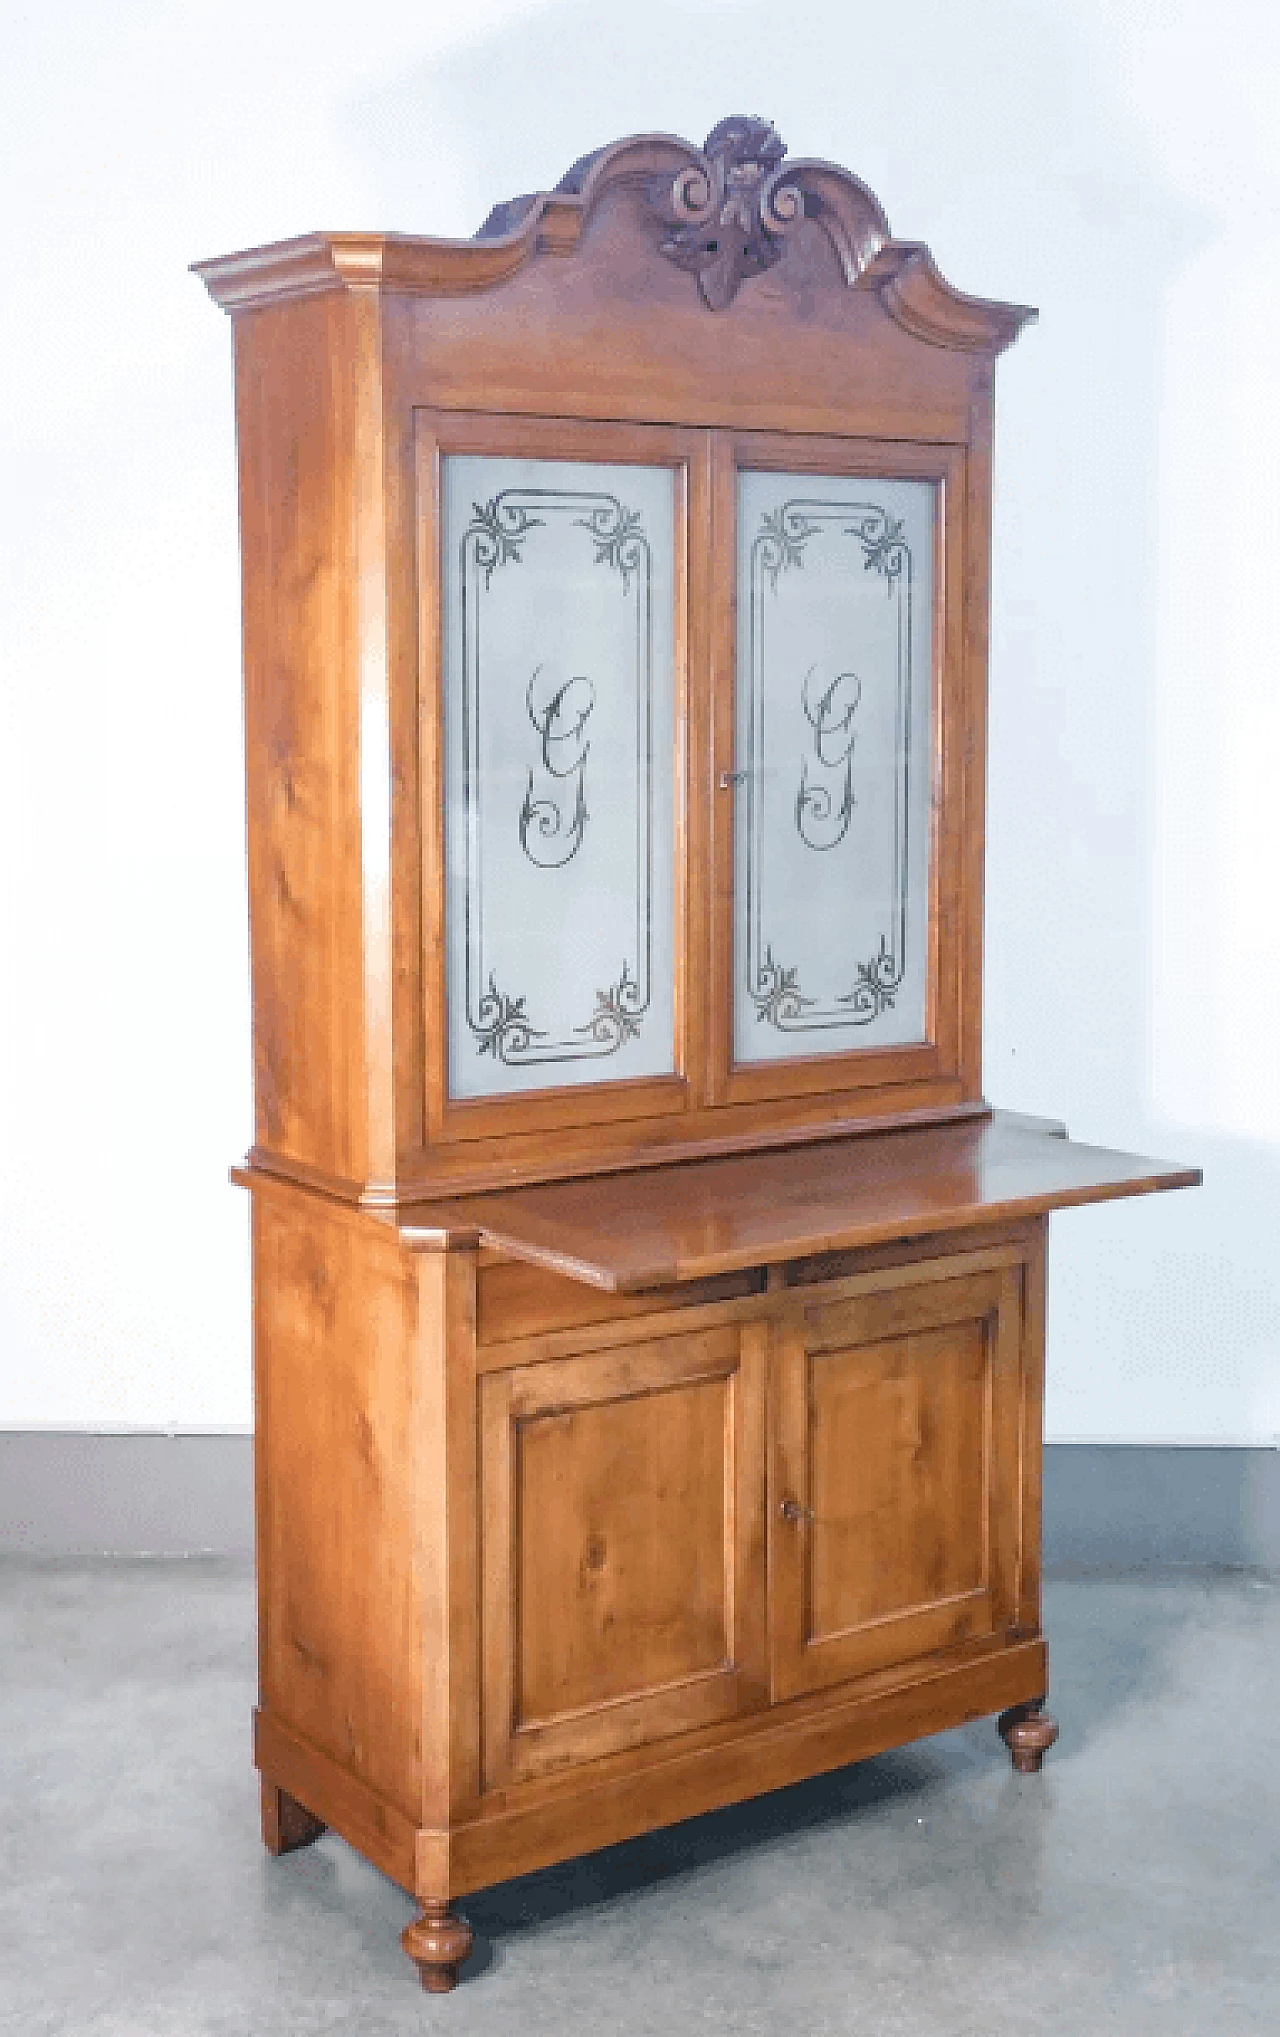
625,1232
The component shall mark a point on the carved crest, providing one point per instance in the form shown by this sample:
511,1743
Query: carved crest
729,218
731,209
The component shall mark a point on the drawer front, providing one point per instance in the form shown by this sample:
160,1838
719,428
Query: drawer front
895,1502
623,1547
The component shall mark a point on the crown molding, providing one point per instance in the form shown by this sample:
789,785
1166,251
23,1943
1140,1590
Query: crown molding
722,213
918,297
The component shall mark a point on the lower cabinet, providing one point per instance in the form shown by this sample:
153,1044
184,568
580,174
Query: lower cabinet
543,1567
683,1528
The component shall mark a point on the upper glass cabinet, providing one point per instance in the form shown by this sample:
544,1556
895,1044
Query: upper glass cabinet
559,741
832,768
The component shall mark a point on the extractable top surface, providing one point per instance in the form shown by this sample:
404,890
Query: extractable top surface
653,1226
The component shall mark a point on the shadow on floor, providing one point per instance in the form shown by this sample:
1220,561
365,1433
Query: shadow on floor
579,1885
1101,1669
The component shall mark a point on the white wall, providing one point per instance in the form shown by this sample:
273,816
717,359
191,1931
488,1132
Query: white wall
1118,165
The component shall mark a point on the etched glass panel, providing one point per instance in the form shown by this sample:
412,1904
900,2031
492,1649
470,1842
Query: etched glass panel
558,709
832,777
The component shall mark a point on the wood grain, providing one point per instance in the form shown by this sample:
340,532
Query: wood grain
376,1828
287,1825
446,1536
522,1837
341,1633
892,1486
361,357
623,1507
298,430
636,1231
626,1450
516,1301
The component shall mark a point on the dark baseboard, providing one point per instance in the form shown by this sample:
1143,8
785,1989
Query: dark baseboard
77,1493
1138,1504
1106,1506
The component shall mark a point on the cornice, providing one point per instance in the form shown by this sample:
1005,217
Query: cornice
722,213
918,297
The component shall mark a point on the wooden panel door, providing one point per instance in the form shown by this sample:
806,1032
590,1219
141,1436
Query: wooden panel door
895,1506
623,1547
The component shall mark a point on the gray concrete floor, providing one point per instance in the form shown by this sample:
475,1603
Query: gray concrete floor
1134,1887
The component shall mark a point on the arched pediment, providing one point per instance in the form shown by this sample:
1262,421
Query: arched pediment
722,213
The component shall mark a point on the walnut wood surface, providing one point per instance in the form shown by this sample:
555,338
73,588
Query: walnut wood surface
634,1231
358,358
623,1451
953,908
1028,1732
623,1524
437,1944
518,1831
836,208
916,1550
338,1359
287,1825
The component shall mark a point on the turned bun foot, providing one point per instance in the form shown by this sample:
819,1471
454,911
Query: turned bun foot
286,1824
437,1944
1028,1733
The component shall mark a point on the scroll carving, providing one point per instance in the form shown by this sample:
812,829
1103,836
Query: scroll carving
731,208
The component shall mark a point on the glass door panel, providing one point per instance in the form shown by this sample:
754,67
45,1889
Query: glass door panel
559,689
832,763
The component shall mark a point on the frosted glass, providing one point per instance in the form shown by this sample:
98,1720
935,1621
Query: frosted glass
832,777
558,707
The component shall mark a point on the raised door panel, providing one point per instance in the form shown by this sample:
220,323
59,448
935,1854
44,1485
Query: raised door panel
895,1506
623,1529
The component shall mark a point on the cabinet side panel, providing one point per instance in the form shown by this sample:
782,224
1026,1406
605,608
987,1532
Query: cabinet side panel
297,374
446,1441
1032,1439
339,1619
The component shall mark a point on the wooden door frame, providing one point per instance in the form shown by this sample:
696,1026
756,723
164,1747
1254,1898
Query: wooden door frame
734,1352
449,1122
798,1666
939,1057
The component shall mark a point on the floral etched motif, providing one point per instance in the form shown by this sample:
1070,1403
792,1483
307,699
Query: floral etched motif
777,992
504,1028
499,528
884,546
618,1013
619,538
876,984
781,539
553,819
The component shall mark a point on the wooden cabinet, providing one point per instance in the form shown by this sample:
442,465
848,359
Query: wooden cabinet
648,1305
